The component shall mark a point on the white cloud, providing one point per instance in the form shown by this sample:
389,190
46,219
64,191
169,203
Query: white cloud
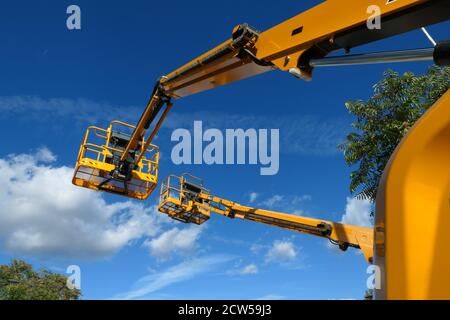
175,274
282,251
303,198
357,213
299,212
45,155
273,201
174,241
80,110
242,270
256,248
250,269
43,214
253,197
302,134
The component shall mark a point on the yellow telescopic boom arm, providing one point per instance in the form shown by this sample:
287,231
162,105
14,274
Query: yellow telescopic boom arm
185,199
295,46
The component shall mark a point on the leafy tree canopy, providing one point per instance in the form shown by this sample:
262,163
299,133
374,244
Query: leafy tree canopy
18,281
382,121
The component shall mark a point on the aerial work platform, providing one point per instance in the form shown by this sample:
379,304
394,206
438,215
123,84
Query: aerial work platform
184,198
180,199
98,166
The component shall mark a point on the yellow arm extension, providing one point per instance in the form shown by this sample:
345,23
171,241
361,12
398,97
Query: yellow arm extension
188,201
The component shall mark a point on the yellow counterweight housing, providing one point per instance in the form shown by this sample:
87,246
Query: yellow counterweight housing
413,212
98,158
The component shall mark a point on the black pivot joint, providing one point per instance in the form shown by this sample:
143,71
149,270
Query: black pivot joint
441,53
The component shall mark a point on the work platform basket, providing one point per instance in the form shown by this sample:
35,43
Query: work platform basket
99,156
183,198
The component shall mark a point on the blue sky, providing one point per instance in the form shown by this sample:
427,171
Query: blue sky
56,82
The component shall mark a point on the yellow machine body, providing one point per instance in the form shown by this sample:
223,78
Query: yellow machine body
413,212
95,164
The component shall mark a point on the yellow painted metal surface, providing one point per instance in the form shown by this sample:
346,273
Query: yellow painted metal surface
413,212
321,23
227,72
218,72
139,130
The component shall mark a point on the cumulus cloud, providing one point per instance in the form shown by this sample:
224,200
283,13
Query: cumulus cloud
174,241
357,213
43,214
282,251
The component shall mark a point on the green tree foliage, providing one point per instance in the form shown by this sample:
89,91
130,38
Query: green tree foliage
368,295
382,121
18,281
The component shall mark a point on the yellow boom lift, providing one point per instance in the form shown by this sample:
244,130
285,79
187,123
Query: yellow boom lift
122,159
184,198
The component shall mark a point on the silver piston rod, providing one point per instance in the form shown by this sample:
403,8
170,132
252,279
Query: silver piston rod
378,57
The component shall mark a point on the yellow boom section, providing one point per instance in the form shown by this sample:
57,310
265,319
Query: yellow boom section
184,198
294,43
